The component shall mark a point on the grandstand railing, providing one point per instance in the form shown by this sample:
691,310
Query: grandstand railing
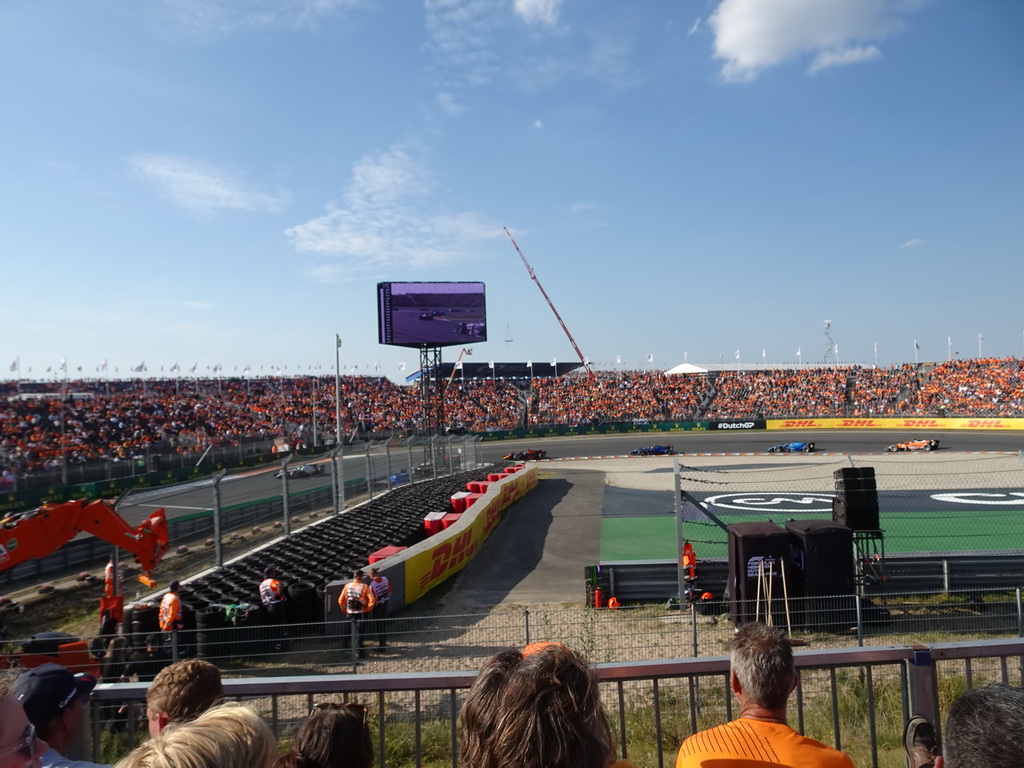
855,699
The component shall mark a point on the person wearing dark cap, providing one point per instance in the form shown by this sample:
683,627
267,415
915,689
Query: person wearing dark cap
273,599
53,700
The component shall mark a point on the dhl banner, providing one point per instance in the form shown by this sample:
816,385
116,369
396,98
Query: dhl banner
457,545
897,423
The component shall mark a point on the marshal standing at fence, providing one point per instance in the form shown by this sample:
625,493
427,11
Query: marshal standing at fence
273,598
356,601
382,594
762,675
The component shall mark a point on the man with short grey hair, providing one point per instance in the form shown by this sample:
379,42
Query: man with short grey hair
984,728
762,675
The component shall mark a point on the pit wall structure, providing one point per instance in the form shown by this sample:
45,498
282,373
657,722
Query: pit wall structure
413,572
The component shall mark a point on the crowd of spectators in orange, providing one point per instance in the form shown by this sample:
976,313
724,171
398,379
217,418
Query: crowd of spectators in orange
43,424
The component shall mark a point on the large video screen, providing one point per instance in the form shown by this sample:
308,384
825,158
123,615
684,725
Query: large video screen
431,314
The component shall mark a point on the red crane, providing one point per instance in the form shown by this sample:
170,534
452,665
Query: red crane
544,293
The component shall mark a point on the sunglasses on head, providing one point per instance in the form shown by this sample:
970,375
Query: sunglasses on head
358,709
26,745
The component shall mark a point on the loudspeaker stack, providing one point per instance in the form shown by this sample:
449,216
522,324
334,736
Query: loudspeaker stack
856,501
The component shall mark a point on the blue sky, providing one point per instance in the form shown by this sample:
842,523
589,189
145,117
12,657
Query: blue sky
224,182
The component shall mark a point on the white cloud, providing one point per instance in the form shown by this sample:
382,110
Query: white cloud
384,221
752,35
538,124
827,59
694,27
582,207
202,188
220,17
543,11
915,243
461,39
449,103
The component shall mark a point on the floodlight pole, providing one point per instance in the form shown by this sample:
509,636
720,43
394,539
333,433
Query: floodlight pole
337,388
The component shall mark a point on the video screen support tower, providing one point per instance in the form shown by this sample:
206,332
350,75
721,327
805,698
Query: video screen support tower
432,390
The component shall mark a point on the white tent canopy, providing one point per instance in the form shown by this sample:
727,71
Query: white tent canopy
690,368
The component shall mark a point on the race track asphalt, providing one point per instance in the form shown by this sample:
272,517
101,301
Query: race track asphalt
538,553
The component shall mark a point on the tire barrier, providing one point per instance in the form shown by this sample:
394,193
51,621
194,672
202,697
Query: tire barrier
224,607
210,626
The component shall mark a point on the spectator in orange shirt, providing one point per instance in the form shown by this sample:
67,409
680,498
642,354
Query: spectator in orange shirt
763,675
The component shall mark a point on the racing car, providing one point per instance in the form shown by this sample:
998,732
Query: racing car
914,445
654,450
531,454
792,448
303,470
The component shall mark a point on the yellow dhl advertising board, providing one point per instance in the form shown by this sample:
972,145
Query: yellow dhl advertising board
903,422
425,570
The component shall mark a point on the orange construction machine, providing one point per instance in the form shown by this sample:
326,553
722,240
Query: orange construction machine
38,532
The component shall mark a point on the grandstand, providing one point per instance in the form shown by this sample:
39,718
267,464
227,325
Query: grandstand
45,425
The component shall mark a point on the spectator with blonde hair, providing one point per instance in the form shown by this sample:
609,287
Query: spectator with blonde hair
538,708
230,735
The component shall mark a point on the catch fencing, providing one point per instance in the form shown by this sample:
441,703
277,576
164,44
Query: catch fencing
381,466
442,642
928,503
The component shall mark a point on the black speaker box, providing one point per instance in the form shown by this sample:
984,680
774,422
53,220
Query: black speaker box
862,516
758,555
821,556
821,553
854,473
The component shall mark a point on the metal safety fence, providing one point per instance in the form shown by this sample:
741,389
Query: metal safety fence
855,699
240,642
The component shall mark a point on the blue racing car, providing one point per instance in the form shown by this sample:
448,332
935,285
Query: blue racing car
654,450
792,448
